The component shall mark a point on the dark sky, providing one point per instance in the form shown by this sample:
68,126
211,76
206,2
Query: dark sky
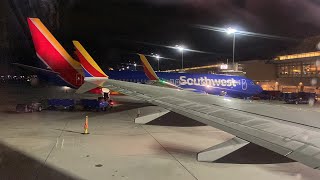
110,30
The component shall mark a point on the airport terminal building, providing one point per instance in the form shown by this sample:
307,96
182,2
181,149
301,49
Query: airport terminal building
296,71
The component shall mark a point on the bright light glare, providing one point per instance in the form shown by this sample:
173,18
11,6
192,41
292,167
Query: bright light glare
180,47
229,100
65,88
135,64
157,56
224,66
230,30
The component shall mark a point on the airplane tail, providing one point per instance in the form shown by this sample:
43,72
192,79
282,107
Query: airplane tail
147,68
48,49
90,67
51,53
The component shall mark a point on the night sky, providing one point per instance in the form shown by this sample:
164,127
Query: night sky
113,30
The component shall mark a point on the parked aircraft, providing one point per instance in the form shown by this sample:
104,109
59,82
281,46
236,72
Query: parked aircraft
63,70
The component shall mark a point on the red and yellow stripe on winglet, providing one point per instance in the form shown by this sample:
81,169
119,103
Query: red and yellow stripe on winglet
90,67
147,68
38,29
52,54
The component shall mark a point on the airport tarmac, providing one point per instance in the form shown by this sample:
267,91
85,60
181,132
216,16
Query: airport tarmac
49,145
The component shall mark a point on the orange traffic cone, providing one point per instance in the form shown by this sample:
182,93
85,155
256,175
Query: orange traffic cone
86,126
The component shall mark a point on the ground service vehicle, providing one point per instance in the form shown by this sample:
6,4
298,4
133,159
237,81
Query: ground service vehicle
300,98
67,104
94,104
29,107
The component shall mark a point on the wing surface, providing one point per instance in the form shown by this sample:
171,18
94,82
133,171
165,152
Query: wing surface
288,131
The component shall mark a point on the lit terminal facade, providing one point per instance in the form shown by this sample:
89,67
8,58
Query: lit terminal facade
299,70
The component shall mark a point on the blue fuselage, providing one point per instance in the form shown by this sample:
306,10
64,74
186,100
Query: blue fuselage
234,86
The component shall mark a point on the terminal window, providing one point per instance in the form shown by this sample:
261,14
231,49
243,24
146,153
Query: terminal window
295,70
309,69
299,69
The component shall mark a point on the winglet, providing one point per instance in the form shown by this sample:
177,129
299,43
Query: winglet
90,67
51,52
147,68
47,47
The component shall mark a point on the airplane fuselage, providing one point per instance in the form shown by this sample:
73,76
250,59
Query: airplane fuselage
235,86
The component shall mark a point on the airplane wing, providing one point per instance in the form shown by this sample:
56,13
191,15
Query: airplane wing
290,132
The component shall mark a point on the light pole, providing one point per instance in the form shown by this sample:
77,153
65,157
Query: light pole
181,48
233,31
135,66
158,58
